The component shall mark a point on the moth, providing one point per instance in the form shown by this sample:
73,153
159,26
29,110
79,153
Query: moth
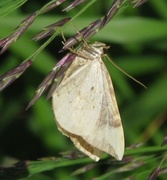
85,106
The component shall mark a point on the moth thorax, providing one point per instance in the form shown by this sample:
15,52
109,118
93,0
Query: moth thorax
100,48
93,52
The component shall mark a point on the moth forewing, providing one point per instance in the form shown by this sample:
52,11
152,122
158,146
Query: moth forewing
109,122
85,107
76,96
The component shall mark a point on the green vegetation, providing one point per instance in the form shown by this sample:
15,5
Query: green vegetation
138,44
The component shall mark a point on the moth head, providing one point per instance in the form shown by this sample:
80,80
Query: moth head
101,46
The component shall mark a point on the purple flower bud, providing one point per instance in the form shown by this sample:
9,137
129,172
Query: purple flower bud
13,74
49,30
139,3
73,4
6,42
51,6
154,174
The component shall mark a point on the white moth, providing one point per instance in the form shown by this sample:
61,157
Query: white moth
85,106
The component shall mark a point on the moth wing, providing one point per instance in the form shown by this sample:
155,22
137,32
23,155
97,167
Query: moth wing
91,151
90,116
77,101
107,134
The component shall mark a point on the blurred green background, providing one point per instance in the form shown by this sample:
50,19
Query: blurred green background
138,44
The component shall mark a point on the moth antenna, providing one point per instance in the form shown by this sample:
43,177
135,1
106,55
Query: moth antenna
120,69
